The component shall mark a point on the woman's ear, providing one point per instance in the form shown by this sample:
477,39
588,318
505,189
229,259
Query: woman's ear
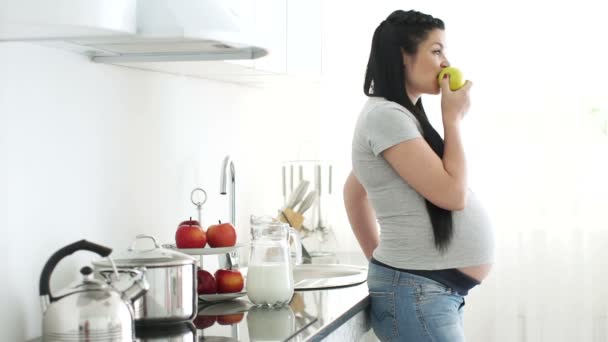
406,59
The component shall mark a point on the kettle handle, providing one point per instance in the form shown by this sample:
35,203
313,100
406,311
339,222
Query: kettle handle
45,277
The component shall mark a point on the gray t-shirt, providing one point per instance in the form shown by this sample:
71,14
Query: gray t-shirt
406,233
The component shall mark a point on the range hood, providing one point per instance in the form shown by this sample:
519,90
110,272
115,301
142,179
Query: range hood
148,30
182,30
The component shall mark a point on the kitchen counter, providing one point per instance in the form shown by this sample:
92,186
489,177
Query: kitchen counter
339,314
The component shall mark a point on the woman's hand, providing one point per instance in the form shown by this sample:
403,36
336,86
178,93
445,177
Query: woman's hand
454,103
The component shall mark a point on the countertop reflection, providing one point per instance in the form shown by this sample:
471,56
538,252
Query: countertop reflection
310,313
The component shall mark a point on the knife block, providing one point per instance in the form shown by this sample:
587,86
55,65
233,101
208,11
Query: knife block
292,218
319,174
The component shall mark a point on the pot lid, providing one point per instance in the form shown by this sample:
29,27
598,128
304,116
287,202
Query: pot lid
152,257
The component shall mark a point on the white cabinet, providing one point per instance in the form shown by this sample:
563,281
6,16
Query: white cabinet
270,31
291,30
304,38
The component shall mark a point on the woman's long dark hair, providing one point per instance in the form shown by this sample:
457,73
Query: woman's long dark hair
385,77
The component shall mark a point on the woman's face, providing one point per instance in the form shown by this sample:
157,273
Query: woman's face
423,67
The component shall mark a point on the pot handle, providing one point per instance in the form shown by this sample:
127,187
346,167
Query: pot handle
144,236
82,245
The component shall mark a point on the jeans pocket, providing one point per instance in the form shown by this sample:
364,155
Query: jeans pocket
426,290
384,321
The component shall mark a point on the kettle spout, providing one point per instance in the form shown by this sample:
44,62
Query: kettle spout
138,288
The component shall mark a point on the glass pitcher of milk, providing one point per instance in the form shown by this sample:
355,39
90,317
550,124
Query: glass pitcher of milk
270,272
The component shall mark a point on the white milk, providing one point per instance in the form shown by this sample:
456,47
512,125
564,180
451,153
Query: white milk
269,283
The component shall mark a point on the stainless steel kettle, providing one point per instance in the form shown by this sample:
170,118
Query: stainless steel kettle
93,310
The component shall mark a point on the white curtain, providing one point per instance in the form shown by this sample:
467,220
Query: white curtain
546,188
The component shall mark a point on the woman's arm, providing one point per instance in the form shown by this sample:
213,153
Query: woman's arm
361,215
441,181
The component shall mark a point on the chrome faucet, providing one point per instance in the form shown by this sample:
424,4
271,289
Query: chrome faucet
223,181
229,260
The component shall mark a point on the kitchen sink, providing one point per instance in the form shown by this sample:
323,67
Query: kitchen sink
324,276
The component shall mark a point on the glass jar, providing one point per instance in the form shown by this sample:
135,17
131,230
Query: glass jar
270,272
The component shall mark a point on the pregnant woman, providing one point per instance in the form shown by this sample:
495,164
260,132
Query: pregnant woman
435,241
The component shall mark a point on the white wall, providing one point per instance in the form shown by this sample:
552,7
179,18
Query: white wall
104,153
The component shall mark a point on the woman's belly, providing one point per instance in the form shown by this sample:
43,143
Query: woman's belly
479,272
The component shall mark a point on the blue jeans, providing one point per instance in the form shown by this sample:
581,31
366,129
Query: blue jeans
410,308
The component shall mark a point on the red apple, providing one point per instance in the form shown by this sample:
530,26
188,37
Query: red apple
230,319
203,322
189,222
206,282
229,281
221,235
189,234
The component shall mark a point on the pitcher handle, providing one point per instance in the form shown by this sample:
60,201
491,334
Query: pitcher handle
298,244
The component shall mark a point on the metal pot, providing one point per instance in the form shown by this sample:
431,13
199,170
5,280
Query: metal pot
172,296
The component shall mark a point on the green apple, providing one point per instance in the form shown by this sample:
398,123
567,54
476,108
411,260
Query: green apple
456,78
